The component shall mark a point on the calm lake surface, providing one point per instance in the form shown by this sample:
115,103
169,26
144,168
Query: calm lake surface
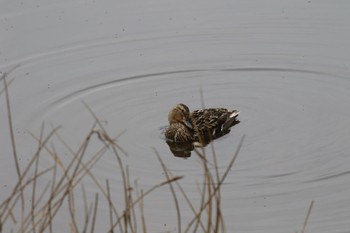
284,64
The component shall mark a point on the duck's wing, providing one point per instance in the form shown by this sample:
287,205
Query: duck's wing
213,121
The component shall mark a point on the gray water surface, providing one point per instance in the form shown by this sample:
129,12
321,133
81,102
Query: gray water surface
283,64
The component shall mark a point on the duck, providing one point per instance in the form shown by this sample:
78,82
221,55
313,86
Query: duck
199,127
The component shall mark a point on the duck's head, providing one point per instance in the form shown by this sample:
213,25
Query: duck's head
179,114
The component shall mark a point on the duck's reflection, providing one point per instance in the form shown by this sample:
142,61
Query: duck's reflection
182,150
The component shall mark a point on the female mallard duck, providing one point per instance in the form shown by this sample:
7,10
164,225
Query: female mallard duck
200,126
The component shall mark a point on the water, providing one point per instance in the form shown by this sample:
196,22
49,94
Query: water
284,65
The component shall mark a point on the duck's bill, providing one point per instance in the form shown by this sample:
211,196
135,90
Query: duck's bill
188,124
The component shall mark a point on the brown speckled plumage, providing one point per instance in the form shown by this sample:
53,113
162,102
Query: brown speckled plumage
199,126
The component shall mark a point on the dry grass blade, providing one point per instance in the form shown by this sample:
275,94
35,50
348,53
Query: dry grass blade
8,106
219,217
104,137
94,217
109,205
141,205
49,204
206,190
143,214
8,84
69,186
102,134
149,191
87,166
65,190
114,209
71,208
16,196
86,209
189,203
132,221
12,136
19,187
125,187
40,200
307,216
34,182
172,191
203,193
204,206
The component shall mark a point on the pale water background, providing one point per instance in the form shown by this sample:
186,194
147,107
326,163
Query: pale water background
284,64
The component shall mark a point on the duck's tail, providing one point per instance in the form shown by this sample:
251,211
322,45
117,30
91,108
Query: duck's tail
231,120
